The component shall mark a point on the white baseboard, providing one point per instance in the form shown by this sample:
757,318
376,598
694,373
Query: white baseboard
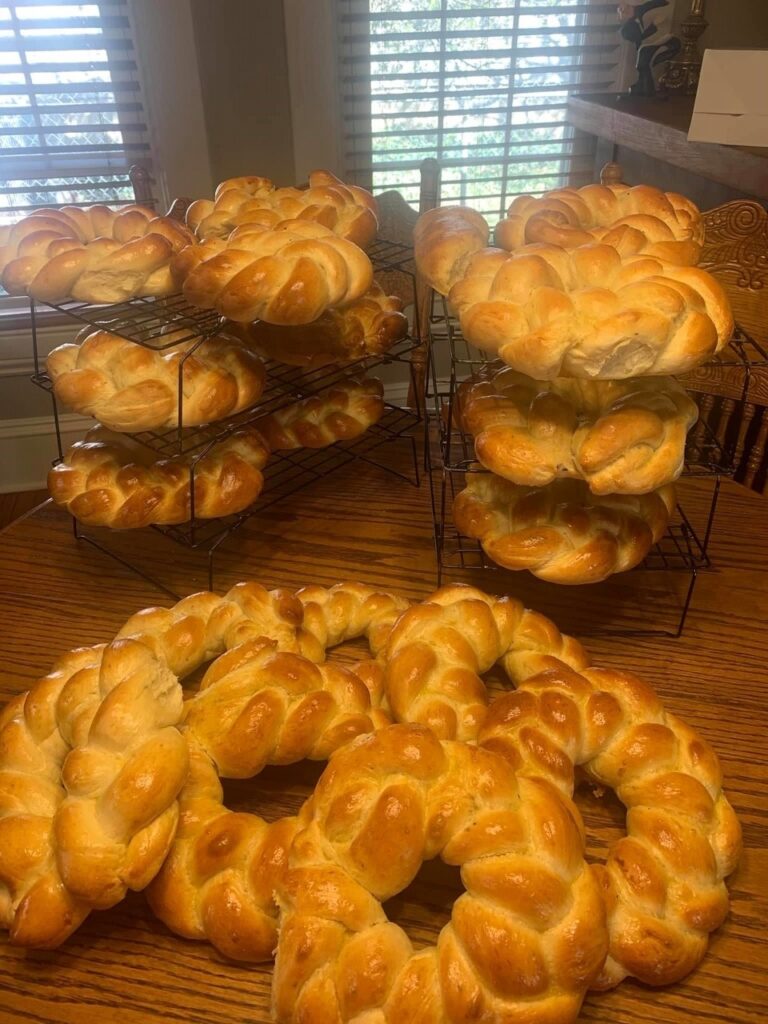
28,447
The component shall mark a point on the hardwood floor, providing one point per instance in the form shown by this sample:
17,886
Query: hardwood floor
14,505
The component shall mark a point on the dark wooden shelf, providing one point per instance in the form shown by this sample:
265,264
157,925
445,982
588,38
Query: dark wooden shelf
659,128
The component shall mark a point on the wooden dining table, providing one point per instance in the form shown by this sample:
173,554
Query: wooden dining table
122,966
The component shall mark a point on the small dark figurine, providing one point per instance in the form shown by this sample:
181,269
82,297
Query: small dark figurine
647,24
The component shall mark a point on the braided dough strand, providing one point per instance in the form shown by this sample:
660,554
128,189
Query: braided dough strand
524,941
634,220
290,274
590,313
663,882
561,532
438,649
622,437
129,388
341,413
93,255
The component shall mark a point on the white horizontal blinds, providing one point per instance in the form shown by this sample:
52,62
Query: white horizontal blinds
480,84
71,115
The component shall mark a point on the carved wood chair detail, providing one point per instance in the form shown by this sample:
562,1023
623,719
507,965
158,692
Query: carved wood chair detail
736,252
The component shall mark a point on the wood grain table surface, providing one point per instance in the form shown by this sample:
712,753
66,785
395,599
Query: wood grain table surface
123,966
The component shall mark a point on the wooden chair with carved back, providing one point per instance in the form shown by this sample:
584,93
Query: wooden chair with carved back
733,388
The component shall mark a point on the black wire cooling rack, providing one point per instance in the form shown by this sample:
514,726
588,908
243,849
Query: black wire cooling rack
451,455
148,322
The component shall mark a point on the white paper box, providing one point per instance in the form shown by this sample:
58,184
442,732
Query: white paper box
732,99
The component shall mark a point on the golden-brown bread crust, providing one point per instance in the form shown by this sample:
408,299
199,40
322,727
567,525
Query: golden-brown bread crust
590,313
524,941
622,437
93,255
348,210
340,413
130,388
263,702
438,650
635,220
662,882
290,274
370,326
111,480
561,532
444,239
90,766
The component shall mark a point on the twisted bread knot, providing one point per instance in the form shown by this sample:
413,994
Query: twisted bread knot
347,210
561,532
289,275
338,414
663,882
444,240
90,767
369,326
589,313
437,650
93,255
111,480
524,941
130,388
623,437
638,220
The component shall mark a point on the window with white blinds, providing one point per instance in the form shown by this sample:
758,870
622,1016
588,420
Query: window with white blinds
71,115
481,85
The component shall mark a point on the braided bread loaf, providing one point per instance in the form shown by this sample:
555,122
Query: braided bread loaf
444,239
93,255
561,532
91,763
663,882
589,313
287,275
131,388
339,413
524,941
370,326
261,703
111,480
90,766
622,437
348,210
634,220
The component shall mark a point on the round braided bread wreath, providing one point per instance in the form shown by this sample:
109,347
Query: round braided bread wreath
92,764
528,937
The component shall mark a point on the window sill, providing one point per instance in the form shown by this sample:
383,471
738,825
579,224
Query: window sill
16,357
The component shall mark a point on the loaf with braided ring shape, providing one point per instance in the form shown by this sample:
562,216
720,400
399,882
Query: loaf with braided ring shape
339,413
348,210
662,882
634,220
130,388
589,313
290,274
90,762
524,941
93,255
260,705
561,532
368,327
111,480
622,437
